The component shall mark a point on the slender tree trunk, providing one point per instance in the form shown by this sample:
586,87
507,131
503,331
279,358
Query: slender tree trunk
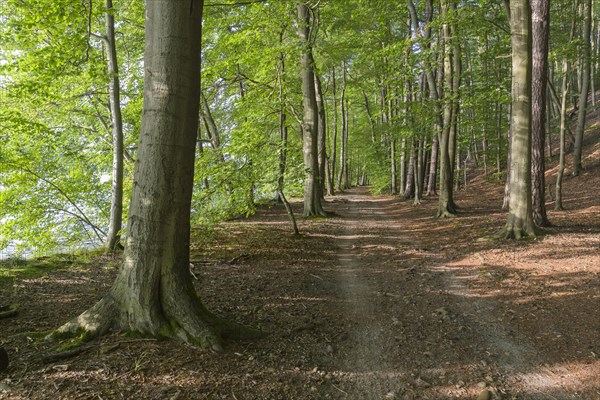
520,215
394,167
310,123
509,155
330,183
415,154
563,114
283,130
344,140
402,166
409,191
433,167
585,88
113,239
322,136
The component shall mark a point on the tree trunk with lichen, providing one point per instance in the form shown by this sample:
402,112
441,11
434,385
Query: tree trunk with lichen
153,294
520,211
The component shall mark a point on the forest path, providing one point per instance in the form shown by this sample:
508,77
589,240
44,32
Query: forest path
420,324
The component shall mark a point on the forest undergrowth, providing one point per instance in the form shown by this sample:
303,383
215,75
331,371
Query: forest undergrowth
381,301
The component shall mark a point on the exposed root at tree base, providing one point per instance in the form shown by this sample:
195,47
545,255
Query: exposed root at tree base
516,233
446,214
198,327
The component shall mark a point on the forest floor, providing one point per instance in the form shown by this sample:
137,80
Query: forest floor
380,301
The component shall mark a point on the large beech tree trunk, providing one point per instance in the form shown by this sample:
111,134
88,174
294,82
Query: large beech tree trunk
540,29
310,123
153,292
113,238
520,216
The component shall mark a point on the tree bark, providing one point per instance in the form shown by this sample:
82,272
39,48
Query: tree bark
283,130
330,182
310,123
321,136
113,238
540,31
343,173
558,205
520,215
446,204
585,88
153,292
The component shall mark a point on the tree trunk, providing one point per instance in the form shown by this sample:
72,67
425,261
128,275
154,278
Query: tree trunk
283,130
113,238
585,88
153,292
558,205
520,215
402,166
341,182
446,205
409,190
393,167
321,137
310,123
330,182
433,167
540,30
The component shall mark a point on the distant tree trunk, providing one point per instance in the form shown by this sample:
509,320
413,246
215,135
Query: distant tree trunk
283,131
343,173
418,171
153,293
402,166
585,87
322,136
520,215
433,167
540,30
446,204
393,167
509,157
558,205
310,123
331,180
409,190
113,239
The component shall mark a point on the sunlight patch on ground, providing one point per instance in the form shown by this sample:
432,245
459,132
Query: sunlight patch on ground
561,377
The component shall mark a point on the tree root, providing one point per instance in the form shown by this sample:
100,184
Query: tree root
446,214
513,232
63,355
8,311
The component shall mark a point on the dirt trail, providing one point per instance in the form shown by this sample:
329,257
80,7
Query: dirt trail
381,301
421,327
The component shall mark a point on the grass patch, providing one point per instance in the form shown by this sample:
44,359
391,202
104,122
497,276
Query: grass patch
13,269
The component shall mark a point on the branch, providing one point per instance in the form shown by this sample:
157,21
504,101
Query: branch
61,192
238,4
